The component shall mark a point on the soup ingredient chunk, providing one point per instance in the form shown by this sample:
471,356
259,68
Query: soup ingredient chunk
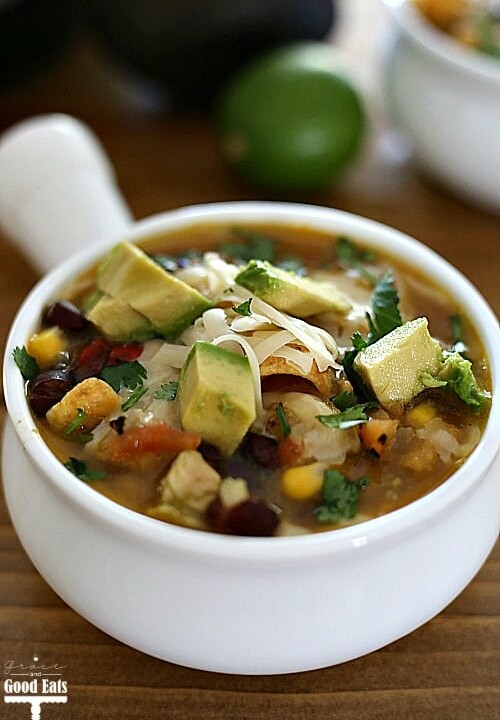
216,395
393,366
117,320
291,293
191,481
93,396
167,302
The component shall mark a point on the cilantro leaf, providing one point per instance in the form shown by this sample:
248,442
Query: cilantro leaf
457,372
385,307
75,430
340,497
130,374
350,255
134,397
255,245
26,363
351,416
81,469
167,391
456,329
283,420
344,400
244,308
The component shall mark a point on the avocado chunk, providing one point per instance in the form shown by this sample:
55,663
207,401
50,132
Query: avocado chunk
117,320
216,395
169,304
290,293
392,367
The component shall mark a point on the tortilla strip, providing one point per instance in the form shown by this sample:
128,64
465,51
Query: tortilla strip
325,382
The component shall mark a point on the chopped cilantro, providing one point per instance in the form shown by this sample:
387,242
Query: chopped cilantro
457,372
255,245
81,469
340,497
26,363
385,308
130,374
77,425
344,400
283,420
384,318
167,391
351,416
350,255
244,308
456,329
134,397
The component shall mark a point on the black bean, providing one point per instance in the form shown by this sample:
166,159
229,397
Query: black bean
252,517
262,449
48,388
66,316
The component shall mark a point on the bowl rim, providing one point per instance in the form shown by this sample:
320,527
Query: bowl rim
160,535
411,21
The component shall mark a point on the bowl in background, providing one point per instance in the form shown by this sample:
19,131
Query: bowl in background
446,98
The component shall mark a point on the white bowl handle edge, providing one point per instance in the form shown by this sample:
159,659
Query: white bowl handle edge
57,189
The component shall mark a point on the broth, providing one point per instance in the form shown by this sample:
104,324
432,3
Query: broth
291,471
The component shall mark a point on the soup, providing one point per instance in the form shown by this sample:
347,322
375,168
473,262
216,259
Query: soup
256,380
474,23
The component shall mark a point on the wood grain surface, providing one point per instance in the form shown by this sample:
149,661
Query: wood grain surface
447,670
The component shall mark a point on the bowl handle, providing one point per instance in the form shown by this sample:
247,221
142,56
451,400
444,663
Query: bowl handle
57,189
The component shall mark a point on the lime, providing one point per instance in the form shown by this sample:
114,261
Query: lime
290,120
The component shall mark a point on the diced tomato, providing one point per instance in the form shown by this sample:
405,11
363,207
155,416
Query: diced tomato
91,359
291,451
124,352
155,438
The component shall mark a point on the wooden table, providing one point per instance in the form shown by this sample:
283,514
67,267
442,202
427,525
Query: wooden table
448,669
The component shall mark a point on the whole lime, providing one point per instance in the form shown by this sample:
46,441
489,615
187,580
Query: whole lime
290,120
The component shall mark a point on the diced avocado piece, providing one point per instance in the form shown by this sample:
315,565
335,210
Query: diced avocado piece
291,293
117,320
216,395
392,367
168,303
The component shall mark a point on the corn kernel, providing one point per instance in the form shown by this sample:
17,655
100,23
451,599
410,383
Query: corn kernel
46,345
421,414
303,481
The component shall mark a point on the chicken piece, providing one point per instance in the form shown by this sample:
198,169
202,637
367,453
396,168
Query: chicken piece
95,397
190,482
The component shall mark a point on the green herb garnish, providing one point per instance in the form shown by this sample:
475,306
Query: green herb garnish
130,374
351,416
167,391
81,469
244,308
77,425
344,400
457,333
136,395
384,318
340,497
283,420
26,363
350,255
385,315
256,245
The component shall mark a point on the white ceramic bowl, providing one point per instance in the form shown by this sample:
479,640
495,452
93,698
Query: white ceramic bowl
251,605
446,98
